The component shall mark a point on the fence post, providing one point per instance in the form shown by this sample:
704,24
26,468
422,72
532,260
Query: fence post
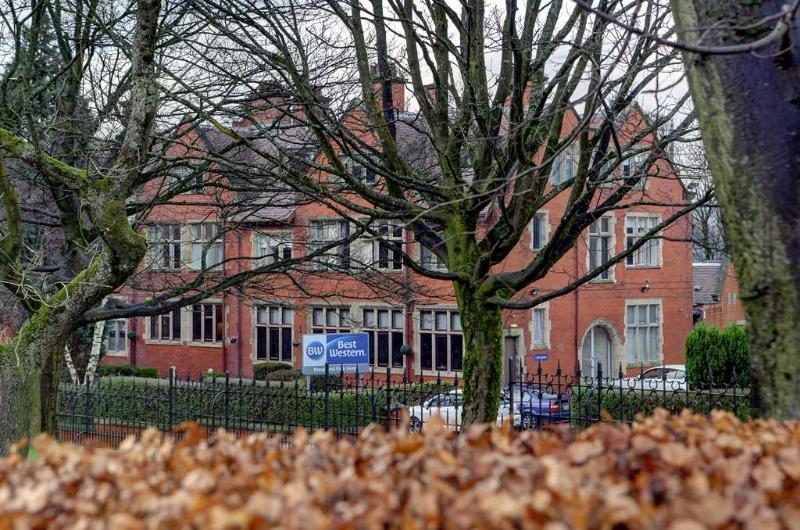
226,398
171,404
387,412
327,390
599,391
510,392
87,421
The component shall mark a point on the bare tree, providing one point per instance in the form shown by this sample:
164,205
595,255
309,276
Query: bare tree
89,192
467,169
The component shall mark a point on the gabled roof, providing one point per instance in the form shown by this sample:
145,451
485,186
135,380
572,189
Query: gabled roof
707,280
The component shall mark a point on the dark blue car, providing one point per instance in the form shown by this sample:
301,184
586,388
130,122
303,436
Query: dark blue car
530,408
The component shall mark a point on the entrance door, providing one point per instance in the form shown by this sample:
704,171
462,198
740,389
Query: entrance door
596,350
511,354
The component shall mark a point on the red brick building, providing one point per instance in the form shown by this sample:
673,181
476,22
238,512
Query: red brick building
638,313
716,293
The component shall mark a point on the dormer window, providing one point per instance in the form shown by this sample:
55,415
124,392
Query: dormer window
564,165
271,248
360,171
186,178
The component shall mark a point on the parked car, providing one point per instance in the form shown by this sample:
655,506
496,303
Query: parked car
666,377
447,405
531,409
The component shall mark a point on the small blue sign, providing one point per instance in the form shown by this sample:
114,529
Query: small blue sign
540,356
344,352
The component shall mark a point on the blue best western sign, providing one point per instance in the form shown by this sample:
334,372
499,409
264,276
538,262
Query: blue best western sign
342,352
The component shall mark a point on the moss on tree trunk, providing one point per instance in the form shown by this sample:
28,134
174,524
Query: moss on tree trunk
749,115
482,325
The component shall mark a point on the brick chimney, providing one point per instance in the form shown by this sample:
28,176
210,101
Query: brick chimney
268,103
398,87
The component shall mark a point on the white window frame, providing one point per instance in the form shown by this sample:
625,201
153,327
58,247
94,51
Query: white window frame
609,274
269,322
319,236
630,337
450,331
389,327
270,247
655,220
171,316
208,246
340,322
631,165
218,309
545,339
569,157
179,175
113,325
157,244
359,171
394,260
545,229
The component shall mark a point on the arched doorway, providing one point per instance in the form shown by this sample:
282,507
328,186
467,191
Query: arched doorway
596,349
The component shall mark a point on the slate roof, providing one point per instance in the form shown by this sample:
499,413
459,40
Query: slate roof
707,282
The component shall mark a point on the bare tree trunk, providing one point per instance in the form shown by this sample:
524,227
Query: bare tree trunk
749,110
73,373
483,355
94,355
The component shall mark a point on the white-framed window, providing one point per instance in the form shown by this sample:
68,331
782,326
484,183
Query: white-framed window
207,323
633,166
387,257
206,246
564,165
274,333
441,340
360,171
326,232
541,327
330,320
601,246
649,254
166,327
164,246
643,331
385,328
115,337
731,298
187,178
539,230
272,247
429,260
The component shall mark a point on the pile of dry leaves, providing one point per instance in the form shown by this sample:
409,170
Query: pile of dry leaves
682,473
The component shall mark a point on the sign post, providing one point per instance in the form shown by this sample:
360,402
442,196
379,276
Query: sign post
343,353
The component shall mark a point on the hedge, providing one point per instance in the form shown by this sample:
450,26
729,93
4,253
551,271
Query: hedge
717,357
263,368
589,404
126,370
249,406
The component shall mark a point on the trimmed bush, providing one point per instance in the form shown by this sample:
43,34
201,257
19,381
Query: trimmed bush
150,373
588,404
717,358
284,375
263,368
126,370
